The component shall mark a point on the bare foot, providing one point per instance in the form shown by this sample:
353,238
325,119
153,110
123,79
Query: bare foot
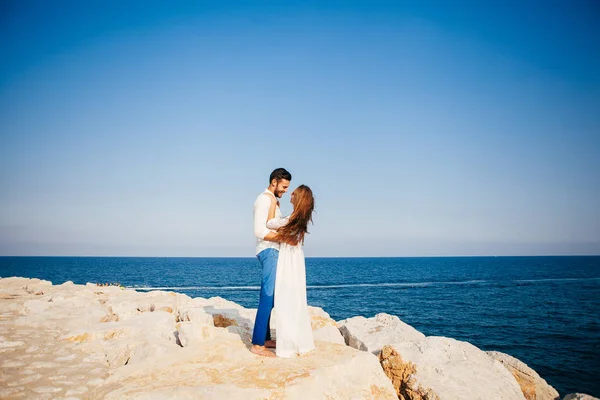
270,344
261,351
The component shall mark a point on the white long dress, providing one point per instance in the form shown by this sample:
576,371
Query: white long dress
292,327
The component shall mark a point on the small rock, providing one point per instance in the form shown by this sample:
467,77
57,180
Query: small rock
579,396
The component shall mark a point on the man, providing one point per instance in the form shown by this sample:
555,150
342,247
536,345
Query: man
267,252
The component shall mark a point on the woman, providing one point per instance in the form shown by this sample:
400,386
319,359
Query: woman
292,327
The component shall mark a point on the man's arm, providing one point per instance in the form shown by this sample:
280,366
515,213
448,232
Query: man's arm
261,212
271,237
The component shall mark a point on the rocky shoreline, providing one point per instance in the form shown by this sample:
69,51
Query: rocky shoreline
105,342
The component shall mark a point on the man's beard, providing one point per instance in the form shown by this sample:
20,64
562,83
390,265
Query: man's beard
278,193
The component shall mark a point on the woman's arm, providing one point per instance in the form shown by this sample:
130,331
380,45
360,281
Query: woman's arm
276,223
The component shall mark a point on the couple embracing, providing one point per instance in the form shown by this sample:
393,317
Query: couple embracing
283,286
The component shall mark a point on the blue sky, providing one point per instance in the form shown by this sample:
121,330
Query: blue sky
424,128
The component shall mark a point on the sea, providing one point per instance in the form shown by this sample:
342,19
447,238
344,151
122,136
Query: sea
543,310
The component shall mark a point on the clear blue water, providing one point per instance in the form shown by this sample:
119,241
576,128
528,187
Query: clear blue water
543,310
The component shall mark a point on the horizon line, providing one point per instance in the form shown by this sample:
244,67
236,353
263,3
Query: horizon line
245,257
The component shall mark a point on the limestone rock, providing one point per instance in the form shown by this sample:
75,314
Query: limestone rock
37,286
196,315
114,343
226,313
324,328
191,333
224,368
401,372
579,396
458,370
532,385
430,366
371,334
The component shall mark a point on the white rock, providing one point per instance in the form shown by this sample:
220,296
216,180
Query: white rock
66,358
37,286
30,379
96,382
148,326
373,333
77,390
197,315
119,353
449,368
13,364
94,358
532,385
43,364
579,396
7,344
226,313
47,389
151,351
458,370
192,333
6,392
224,368
123,309
324,328
36,307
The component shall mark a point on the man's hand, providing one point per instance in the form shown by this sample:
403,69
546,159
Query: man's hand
290,241
271,237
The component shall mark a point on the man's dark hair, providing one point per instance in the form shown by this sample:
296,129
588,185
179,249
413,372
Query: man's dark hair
279,174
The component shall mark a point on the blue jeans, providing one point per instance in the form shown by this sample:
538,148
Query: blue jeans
262,324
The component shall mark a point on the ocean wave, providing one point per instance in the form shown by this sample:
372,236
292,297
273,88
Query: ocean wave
364,285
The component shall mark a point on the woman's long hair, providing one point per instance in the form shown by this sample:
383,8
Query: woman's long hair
304,205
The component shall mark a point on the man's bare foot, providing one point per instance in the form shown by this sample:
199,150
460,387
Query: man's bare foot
270,344
261,351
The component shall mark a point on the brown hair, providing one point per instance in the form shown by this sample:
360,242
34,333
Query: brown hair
279,174
304,205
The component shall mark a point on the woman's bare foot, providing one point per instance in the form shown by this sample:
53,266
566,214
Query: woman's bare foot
261,351
270,344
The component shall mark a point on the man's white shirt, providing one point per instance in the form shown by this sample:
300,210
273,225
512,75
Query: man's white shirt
261,212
